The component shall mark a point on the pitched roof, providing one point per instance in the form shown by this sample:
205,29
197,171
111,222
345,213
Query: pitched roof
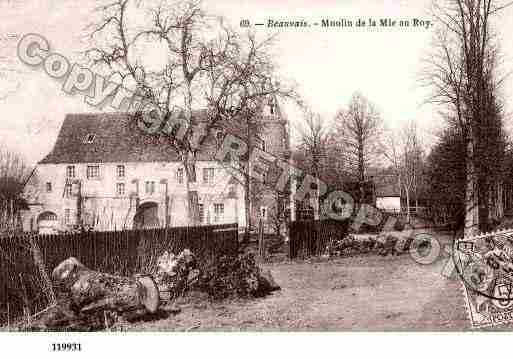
117,138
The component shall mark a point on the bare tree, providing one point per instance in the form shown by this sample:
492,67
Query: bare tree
358,131
206,64
9,71
241,173
405,155
13,175
462,71
314,144
314,140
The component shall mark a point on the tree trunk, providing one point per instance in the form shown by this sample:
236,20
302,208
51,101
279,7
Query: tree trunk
408,215
500,199
361,169
247,207
91,290
471,193
39,262
87,298
247,189
189,162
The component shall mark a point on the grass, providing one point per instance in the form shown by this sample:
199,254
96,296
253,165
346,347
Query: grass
354,293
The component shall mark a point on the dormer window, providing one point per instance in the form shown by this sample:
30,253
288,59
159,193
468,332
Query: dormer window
89,138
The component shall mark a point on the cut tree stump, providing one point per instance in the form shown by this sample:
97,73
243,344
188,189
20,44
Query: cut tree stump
91,290
87,297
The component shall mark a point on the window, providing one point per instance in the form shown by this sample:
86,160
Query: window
208,175
121,171
120,189
263,212
179,175
68,190
219,136
272,107
67,216
193,179
201,210
235,165
93,172
150,187
70,171
48,186
260,143
89,138
218,212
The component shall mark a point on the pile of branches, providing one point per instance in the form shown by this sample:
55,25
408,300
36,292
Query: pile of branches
228,276
383,244
235,277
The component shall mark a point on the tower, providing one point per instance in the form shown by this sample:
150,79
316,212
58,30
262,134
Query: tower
275,130
270,204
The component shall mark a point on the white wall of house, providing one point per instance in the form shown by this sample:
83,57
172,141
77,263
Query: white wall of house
389,204
105,208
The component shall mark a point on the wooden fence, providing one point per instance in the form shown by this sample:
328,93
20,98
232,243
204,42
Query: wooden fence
310,238
122,252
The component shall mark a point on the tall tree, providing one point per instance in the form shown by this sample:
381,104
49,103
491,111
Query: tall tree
358,130
404,151
313,144
462,71
446,173
13,174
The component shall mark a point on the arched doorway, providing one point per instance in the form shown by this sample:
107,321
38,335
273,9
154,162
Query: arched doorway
47,223
146,216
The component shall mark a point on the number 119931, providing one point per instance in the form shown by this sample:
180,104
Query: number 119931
66,347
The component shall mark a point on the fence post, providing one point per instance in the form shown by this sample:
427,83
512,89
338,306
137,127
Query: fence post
261,246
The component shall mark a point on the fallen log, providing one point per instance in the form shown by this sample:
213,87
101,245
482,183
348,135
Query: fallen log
95,291
91,300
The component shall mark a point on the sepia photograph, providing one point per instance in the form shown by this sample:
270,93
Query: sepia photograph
253,166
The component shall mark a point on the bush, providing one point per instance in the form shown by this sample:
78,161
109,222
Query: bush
382,244
230,276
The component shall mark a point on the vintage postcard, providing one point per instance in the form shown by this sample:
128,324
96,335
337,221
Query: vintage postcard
255,166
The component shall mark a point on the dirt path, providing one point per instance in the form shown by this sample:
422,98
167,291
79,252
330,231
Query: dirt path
361,293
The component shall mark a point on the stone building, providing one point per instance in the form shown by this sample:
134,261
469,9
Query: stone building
104,173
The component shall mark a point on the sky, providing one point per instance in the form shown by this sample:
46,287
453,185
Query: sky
327,64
